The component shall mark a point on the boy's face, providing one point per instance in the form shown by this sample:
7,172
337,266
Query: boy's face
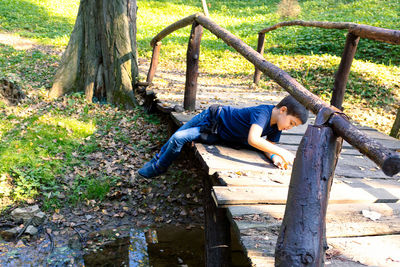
286,122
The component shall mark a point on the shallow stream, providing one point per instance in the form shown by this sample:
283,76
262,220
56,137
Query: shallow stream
166,246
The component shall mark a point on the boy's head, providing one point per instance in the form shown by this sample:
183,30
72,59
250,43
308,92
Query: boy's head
291,113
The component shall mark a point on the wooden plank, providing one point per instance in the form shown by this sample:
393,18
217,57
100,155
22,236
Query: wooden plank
345,225
334,210
371,250
359,167
259,246
340,194
220,158
345,151
275,177
282,179
388,142
258,242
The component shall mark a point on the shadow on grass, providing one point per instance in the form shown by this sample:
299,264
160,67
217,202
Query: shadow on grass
32,21
30,67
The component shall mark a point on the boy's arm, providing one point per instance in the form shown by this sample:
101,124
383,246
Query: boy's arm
255,140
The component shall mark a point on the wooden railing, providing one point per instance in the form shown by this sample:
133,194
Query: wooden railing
320,147
355,32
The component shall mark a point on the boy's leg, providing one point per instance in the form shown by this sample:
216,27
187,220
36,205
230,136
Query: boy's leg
171,152
175,144
186,133
198,120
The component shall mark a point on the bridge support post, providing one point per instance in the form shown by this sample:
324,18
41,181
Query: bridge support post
192,67
343,72
154,62
217,230
396,125
260,49
302,239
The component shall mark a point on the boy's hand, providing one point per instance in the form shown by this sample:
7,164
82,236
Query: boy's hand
279,162
283,160
287,157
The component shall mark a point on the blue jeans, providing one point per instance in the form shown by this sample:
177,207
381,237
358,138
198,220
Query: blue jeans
188,132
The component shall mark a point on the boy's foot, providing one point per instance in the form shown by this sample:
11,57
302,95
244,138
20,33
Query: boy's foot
150,170
152,161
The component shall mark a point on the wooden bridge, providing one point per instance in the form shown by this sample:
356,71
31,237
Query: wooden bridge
250,193
246,193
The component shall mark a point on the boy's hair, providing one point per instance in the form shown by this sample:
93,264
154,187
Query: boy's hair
294,108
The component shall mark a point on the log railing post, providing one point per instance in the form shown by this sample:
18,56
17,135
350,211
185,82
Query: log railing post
192,66
344,69
154,62
396,125
260,49
301,240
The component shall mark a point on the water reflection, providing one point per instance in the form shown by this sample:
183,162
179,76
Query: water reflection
167,246
138,255
159,247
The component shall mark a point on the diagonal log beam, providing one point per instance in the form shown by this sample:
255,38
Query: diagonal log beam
385,158
173,27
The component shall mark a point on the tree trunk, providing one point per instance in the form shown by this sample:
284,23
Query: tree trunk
100,58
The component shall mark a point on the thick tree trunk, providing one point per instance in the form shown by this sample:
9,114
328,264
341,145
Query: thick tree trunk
100,58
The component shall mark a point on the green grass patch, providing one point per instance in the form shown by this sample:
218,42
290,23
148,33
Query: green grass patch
47,21
36,146
31,69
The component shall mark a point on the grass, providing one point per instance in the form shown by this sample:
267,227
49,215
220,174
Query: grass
41,142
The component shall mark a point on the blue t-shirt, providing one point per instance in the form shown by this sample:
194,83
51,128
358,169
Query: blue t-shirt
236,123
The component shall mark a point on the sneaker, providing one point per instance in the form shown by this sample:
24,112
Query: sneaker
150,170
152,161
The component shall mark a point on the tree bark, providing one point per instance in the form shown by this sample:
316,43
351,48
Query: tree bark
100,58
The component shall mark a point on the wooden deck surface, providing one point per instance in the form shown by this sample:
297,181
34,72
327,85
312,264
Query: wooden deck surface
363,219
